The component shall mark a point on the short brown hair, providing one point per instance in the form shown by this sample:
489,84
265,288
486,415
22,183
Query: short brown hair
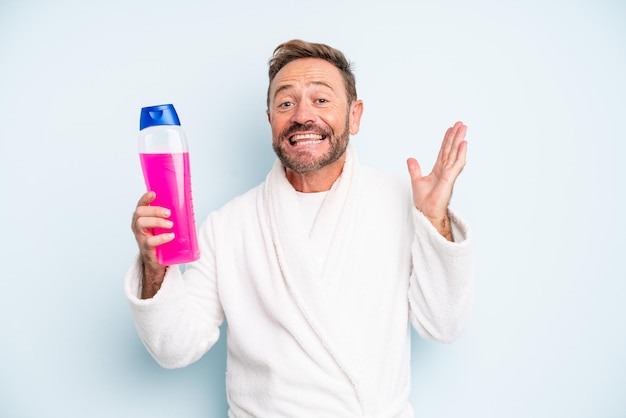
296,49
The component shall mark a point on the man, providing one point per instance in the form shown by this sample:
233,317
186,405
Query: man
318,270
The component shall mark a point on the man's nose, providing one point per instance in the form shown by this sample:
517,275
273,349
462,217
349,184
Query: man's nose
304,113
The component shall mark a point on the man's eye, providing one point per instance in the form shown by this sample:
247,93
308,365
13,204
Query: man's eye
322,101
285,105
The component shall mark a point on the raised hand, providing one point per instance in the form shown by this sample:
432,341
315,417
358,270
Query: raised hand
432,193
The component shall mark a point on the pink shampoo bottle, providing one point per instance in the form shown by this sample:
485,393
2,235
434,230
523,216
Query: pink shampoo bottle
164,159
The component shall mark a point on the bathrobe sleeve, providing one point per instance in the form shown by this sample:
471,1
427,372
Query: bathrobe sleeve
181,322
441,288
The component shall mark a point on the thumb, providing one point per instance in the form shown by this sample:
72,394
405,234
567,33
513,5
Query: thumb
415,170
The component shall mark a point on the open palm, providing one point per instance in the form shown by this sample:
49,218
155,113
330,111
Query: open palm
432,193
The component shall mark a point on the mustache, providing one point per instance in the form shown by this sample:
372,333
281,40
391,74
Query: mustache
308,127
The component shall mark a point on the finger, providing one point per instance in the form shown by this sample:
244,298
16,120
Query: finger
450,147
145,225
144,209
148,217
446,145
148,247
156,240
460,144
152,211
461,155
146,199
414,168
443,151
457,137
454,169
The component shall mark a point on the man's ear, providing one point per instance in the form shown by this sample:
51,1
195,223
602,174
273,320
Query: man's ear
267,112
356,111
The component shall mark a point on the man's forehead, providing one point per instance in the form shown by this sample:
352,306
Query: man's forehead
314,71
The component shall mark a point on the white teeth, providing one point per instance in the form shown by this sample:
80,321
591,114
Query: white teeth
308,142
306,139
314,137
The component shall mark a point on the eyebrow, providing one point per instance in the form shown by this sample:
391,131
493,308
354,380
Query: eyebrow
288,86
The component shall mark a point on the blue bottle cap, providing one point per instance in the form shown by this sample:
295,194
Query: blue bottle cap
158,115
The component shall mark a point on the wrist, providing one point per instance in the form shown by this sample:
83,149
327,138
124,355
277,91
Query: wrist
442,225
152,279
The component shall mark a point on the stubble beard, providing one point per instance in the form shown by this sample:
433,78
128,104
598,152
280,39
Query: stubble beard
303,161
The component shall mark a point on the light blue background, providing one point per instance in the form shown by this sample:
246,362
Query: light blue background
540,84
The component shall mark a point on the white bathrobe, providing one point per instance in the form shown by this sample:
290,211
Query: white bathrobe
317,321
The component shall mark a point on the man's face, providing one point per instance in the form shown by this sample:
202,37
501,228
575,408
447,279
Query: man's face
309,114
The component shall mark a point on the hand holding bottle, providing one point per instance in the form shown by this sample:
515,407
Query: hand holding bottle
163,223
145,219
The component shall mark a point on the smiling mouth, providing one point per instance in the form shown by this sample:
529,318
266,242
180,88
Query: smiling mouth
306,139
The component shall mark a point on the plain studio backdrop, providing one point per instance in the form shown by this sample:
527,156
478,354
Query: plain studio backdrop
540,85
